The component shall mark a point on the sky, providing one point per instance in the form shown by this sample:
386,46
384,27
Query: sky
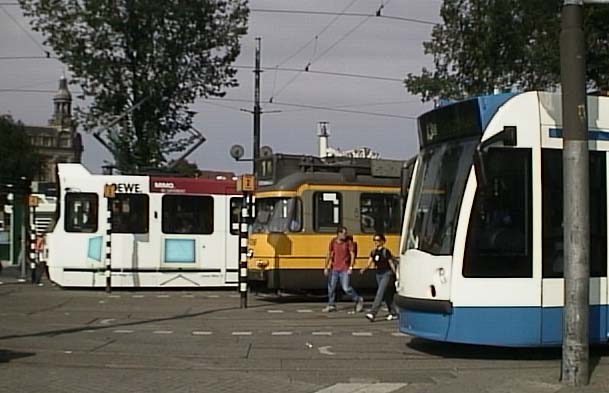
381,49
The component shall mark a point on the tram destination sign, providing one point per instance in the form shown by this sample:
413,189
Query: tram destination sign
454,121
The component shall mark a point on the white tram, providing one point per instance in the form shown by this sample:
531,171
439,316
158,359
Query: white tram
166,231
482,240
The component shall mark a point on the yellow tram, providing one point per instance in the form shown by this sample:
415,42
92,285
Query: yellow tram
301,200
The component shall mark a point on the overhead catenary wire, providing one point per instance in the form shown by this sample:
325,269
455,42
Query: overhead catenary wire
350,14
343,37
315,39
23,29
320,107
289,104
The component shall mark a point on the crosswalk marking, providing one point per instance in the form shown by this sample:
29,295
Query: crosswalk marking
138,296
274,311
201,333
281,333
163,332
362,334
322,333
242,333
162,296
304,310
123,331
362,387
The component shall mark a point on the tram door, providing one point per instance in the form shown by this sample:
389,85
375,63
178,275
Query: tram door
553,247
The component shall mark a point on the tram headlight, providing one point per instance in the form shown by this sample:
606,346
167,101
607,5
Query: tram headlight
442,275
250,253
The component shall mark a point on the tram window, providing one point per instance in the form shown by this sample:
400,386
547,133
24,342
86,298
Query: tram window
235,212
278,215
188,214
553,239
499,236
130,213
380,213
81,212
327,211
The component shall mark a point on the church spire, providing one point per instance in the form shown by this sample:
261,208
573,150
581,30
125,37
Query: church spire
62,102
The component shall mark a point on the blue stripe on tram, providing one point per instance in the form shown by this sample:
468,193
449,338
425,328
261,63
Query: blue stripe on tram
500,326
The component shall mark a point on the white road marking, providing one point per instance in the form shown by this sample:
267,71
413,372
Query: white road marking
106,321
114,296
123,331
201,333
274,311
163,332
234,296
362,334
242,333
162,296
188,295
322,333
281,333
305,310
213,296
362,388
326,350
399,334
138,296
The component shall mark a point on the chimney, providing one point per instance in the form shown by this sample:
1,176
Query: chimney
323,133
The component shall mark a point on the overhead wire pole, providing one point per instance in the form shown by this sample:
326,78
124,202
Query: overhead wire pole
576,194
257,111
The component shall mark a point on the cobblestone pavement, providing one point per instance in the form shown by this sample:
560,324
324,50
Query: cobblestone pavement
56,340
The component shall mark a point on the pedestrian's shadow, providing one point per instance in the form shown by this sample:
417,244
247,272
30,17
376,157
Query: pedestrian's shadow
6,355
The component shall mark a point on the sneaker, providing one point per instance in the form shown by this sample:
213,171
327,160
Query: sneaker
359,306
328,309
370,317
392,317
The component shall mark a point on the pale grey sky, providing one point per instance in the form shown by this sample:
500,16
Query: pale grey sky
372,46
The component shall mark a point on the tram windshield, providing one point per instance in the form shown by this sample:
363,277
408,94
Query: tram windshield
440,182
278,215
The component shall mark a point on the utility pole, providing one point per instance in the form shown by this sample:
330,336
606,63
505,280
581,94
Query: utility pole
257,111
576,194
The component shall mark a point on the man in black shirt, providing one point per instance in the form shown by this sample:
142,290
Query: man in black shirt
382,258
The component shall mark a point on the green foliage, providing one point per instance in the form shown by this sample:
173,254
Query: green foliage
17,158
168,52
184,168
502,44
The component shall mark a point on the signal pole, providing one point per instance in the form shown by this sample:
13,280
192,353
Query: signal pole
257,111
576,194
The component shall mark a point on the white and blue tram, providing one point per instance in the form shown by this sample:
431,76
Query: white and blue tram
166,231
482,240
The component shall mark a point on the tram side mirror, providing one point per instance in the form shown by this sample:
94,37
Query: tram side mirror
507,137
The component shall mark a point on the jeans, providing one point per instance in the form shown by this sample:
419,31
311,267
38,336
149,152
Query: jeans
385,290
344,283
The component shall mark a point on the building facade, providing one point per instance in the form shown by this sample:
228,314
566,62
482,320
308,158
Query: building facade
59,141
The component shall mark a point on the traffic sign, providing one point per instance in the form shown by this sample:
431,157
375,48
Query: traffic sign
109,190
33,201
246,183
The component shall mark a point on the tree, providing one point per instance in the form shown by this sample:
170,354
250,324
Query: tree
485,45
185,168
18,162
160,54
